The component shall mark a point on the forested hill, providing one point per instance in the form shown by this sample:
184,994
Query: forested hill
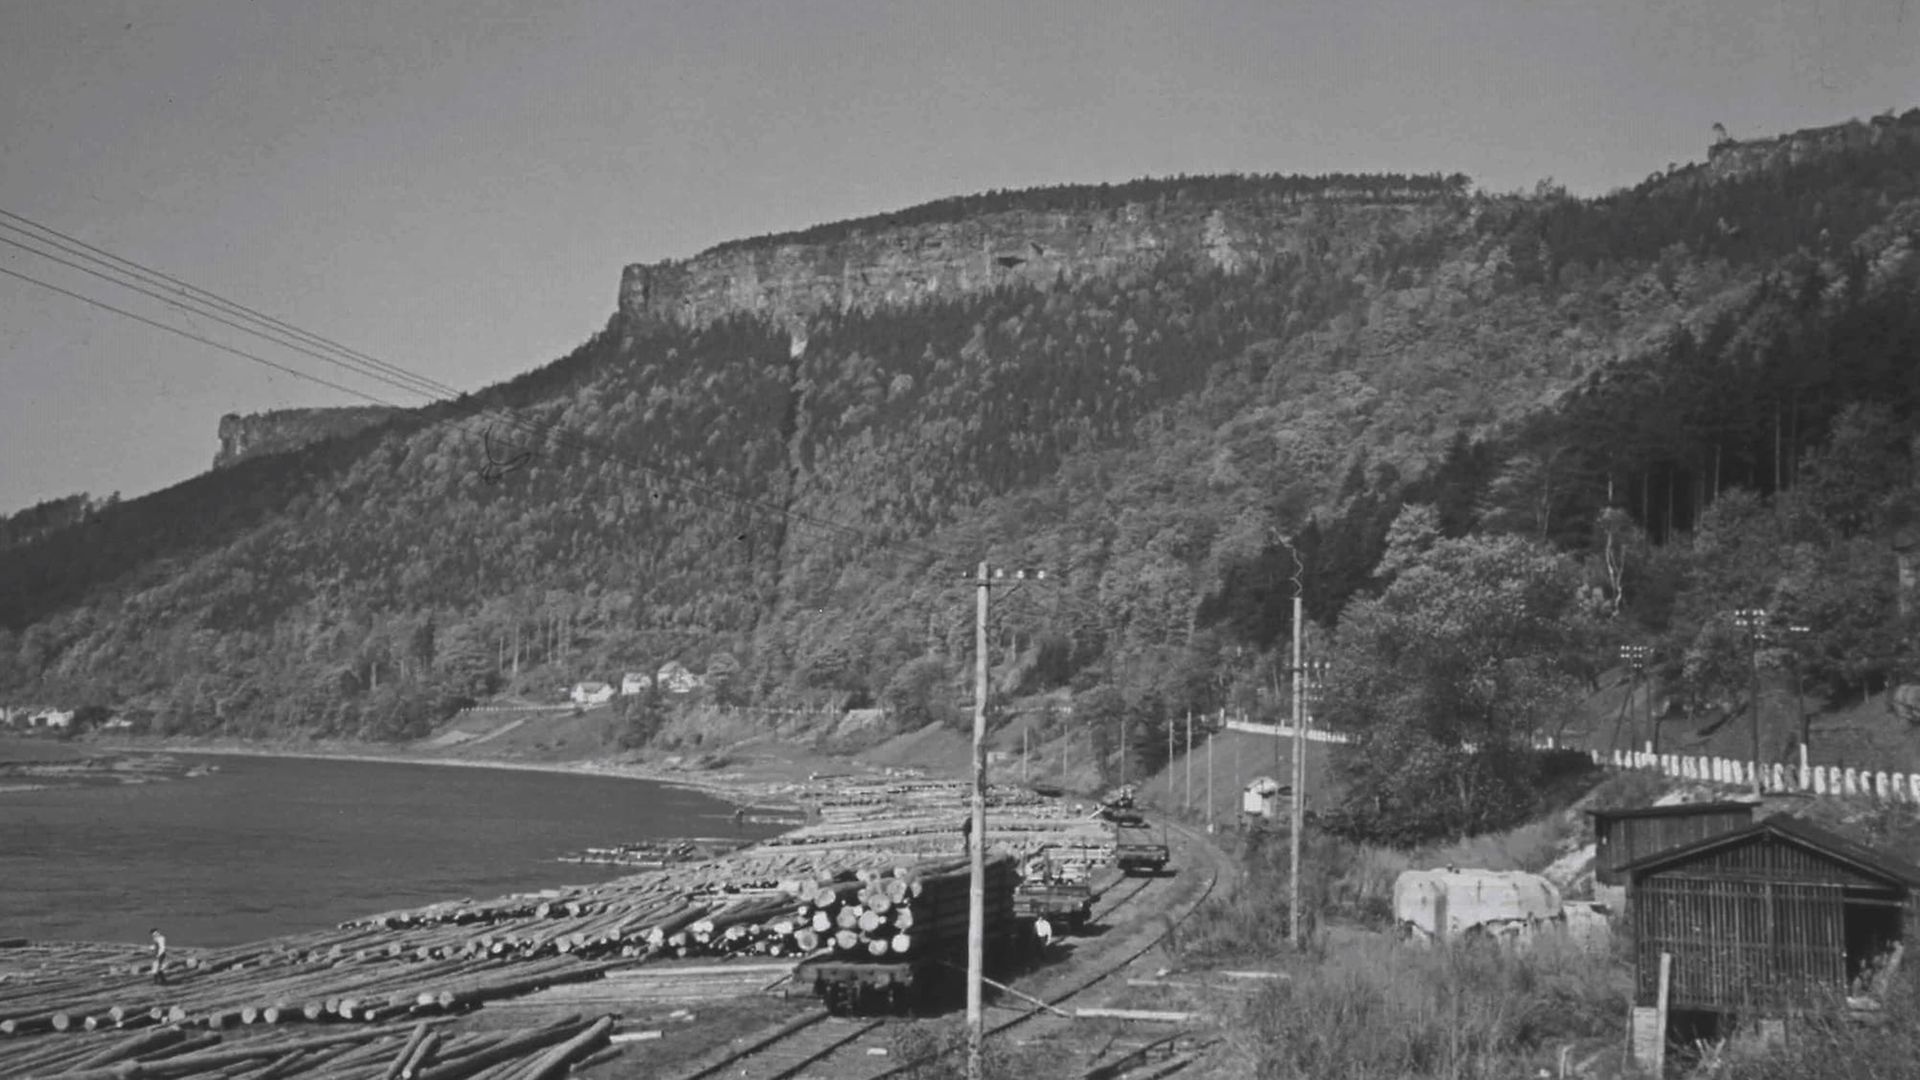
785,496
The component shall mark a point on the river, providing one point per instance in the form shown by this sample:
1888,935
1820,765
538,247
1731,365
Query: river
266,846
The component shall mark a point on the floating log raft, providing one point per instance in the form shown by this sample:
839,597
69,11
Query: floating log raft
859,884
370,1052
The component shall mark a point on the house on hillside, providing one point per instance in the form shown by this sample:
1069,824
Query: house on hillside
635,682
1261,799
591,693
1767,922
42,717
675,678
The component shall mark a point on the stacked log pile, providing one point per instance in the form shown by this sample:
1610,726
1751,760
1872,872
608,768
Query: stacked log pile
921,819
912,912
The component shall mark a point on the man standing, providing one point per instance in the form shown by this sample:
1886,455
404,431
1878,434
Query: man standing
159,955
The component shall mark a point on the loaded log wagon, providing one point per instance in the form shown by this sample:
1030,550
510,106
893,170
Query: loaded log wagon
900,945
1066,905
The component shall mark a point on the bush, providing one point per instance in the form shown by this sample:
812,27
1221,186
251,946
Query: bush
1884,1047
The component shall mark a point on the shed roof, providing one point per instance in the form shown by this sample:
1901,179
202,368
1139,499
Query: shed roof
1672,810
1890,868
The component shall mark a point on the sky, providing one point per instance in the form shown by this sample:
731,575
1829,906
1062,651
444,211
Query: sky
454,186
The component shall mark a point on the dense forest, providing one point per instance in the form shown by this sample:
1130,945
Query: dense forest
1502,435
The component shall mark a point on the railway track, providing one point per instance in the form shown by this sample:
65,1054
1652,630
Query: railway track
816,1046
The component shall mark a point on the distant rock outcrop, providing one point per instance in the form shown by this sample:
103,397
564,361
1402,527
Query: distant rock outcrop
1730,159
280,430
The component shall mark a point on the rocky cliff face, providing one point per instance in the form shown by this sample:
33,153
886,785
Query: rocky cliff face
882,267
242,437
1738,158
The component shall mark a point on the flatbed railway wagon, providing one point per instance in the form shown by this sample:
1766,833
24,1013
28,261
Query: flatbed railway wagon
912,956
1137,850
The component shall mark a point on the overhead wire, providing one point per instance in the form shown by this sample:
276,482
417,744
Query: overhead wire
75,246
195,300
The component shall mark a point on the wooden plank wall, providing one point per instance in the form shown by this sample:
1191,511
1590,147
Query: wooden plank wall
1739,943
1619,841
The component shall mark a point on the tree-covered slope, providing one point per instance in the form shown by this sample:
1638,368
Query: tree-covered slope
796,519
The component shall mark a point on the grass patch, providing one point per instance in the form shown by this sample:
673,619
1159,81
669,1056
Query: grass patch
1377,1008
937,1050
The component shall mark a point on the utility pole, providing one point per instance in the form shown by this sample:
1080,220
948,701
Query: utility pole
977,832
1187,804
1210,736
1753,620
1299,780
1636,657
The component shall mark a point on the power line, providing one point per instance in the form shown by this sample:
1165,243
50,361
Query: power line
190,336
215,316
158,277
358,362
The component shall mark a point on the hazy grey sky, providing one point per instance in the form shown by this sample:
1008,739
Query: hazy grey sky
455,186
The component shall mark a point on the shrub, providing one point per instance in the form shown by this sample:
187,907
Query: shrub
1882,1046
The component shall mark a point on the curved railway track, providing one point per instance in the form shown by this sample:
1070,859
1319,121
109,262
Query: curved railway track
817,1046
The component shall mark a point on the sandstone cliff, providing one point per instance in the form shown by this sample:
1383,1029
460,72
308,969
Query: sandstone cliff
1736,158
279,430
874,264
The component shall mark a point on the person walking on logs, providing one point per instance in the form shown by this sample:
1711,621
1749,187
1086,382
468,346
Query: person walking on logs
159,955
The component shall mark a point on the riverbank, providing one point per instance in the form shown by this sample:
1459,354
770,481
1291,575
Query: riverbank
40,765
773,780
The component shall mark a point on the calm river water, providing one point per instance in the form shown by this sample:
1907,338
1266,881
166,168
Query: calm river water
267,846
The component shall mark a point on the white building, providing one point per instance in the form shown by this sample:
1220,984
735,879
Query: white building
635,682
1262,797
591,693
675,678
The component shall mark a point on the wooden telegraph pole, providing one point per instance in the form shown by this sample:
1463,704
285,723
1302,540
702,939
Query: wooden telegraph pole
1187,803
977,833
1210,737
1299,784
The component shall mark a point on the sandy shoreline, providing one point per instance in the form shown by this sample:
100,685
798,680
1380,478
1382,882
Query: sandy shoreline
739,792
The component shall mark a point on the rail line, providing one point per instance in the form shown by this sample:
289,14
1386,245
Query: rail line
817,1045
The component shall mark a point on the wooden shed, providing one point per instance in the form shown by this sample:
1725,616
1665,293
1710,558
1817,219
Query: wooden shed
1770,918
1622,836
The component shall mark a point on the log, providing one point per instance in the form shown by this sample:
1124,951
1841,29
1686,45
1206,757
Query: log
418,1036
189,1063
520,1046
132,1048
418,1057
554,1062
